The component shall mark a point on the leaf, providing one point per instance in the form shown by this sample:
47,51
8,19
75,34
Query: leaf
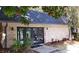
54,11
23,10
23,20
9,11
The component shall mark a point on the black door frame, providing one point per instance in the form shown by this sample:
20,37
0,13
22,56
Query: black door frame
31,27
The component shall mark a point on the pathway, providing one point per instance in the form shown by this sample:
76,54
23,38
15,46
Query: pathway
45,49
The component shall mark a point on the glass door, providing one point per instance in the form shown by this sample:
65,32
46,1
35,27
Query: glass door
23,33
35,34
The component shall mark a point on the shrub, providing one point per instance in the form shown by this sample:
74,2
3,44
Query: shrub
19,47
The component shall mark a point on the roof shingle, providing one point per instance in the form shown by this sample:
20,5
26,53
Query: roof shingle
37,17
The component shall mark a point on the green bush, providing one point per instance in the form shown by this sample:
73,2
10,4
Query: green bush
77,37
16,46
19,47
27,43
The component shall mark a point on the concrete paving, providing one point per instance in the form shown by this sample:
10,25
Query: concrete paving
65,47
73,48
45,49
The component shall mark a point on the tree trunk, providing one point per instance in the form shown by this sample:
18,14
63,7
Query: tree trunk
1,29
70,35
5,30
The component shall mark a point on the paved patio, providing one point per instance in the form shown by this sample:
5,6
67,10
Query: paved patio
66,47
45,49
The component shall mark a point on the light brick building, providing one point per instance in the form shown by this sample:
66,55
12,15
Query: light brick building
42,29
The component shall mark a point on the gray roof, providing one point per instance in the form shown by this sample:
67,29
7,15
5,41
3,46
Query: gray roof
43,18
37,18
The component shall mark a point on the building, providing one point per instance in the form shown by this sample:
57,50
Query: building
42,29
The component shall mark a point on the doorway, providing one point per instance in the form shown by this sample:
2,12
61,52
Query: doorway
34,33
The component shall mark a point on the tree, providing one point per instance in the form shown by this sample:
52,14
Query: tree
54,11
72,14
0,34
11,11
20,11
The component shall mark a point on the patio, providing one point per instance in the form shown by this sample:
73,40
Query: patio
58,47
45,49
64,47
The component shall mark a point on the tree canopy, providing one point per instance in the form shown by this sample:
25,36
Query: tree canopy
54,11
21,11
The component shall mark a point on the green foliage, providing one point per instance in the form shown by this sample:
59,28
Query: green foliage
55,11
13,10
34,6
19,47
77,37
22,10
27,42
23,20
9,11
16,46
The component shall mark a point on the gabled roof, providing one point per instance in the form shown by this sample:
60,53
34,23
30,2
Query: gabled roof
36,18
4,18
43,18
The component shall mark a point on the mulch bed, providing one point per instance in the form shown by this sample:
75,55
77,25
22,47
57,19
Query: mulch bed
4,50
